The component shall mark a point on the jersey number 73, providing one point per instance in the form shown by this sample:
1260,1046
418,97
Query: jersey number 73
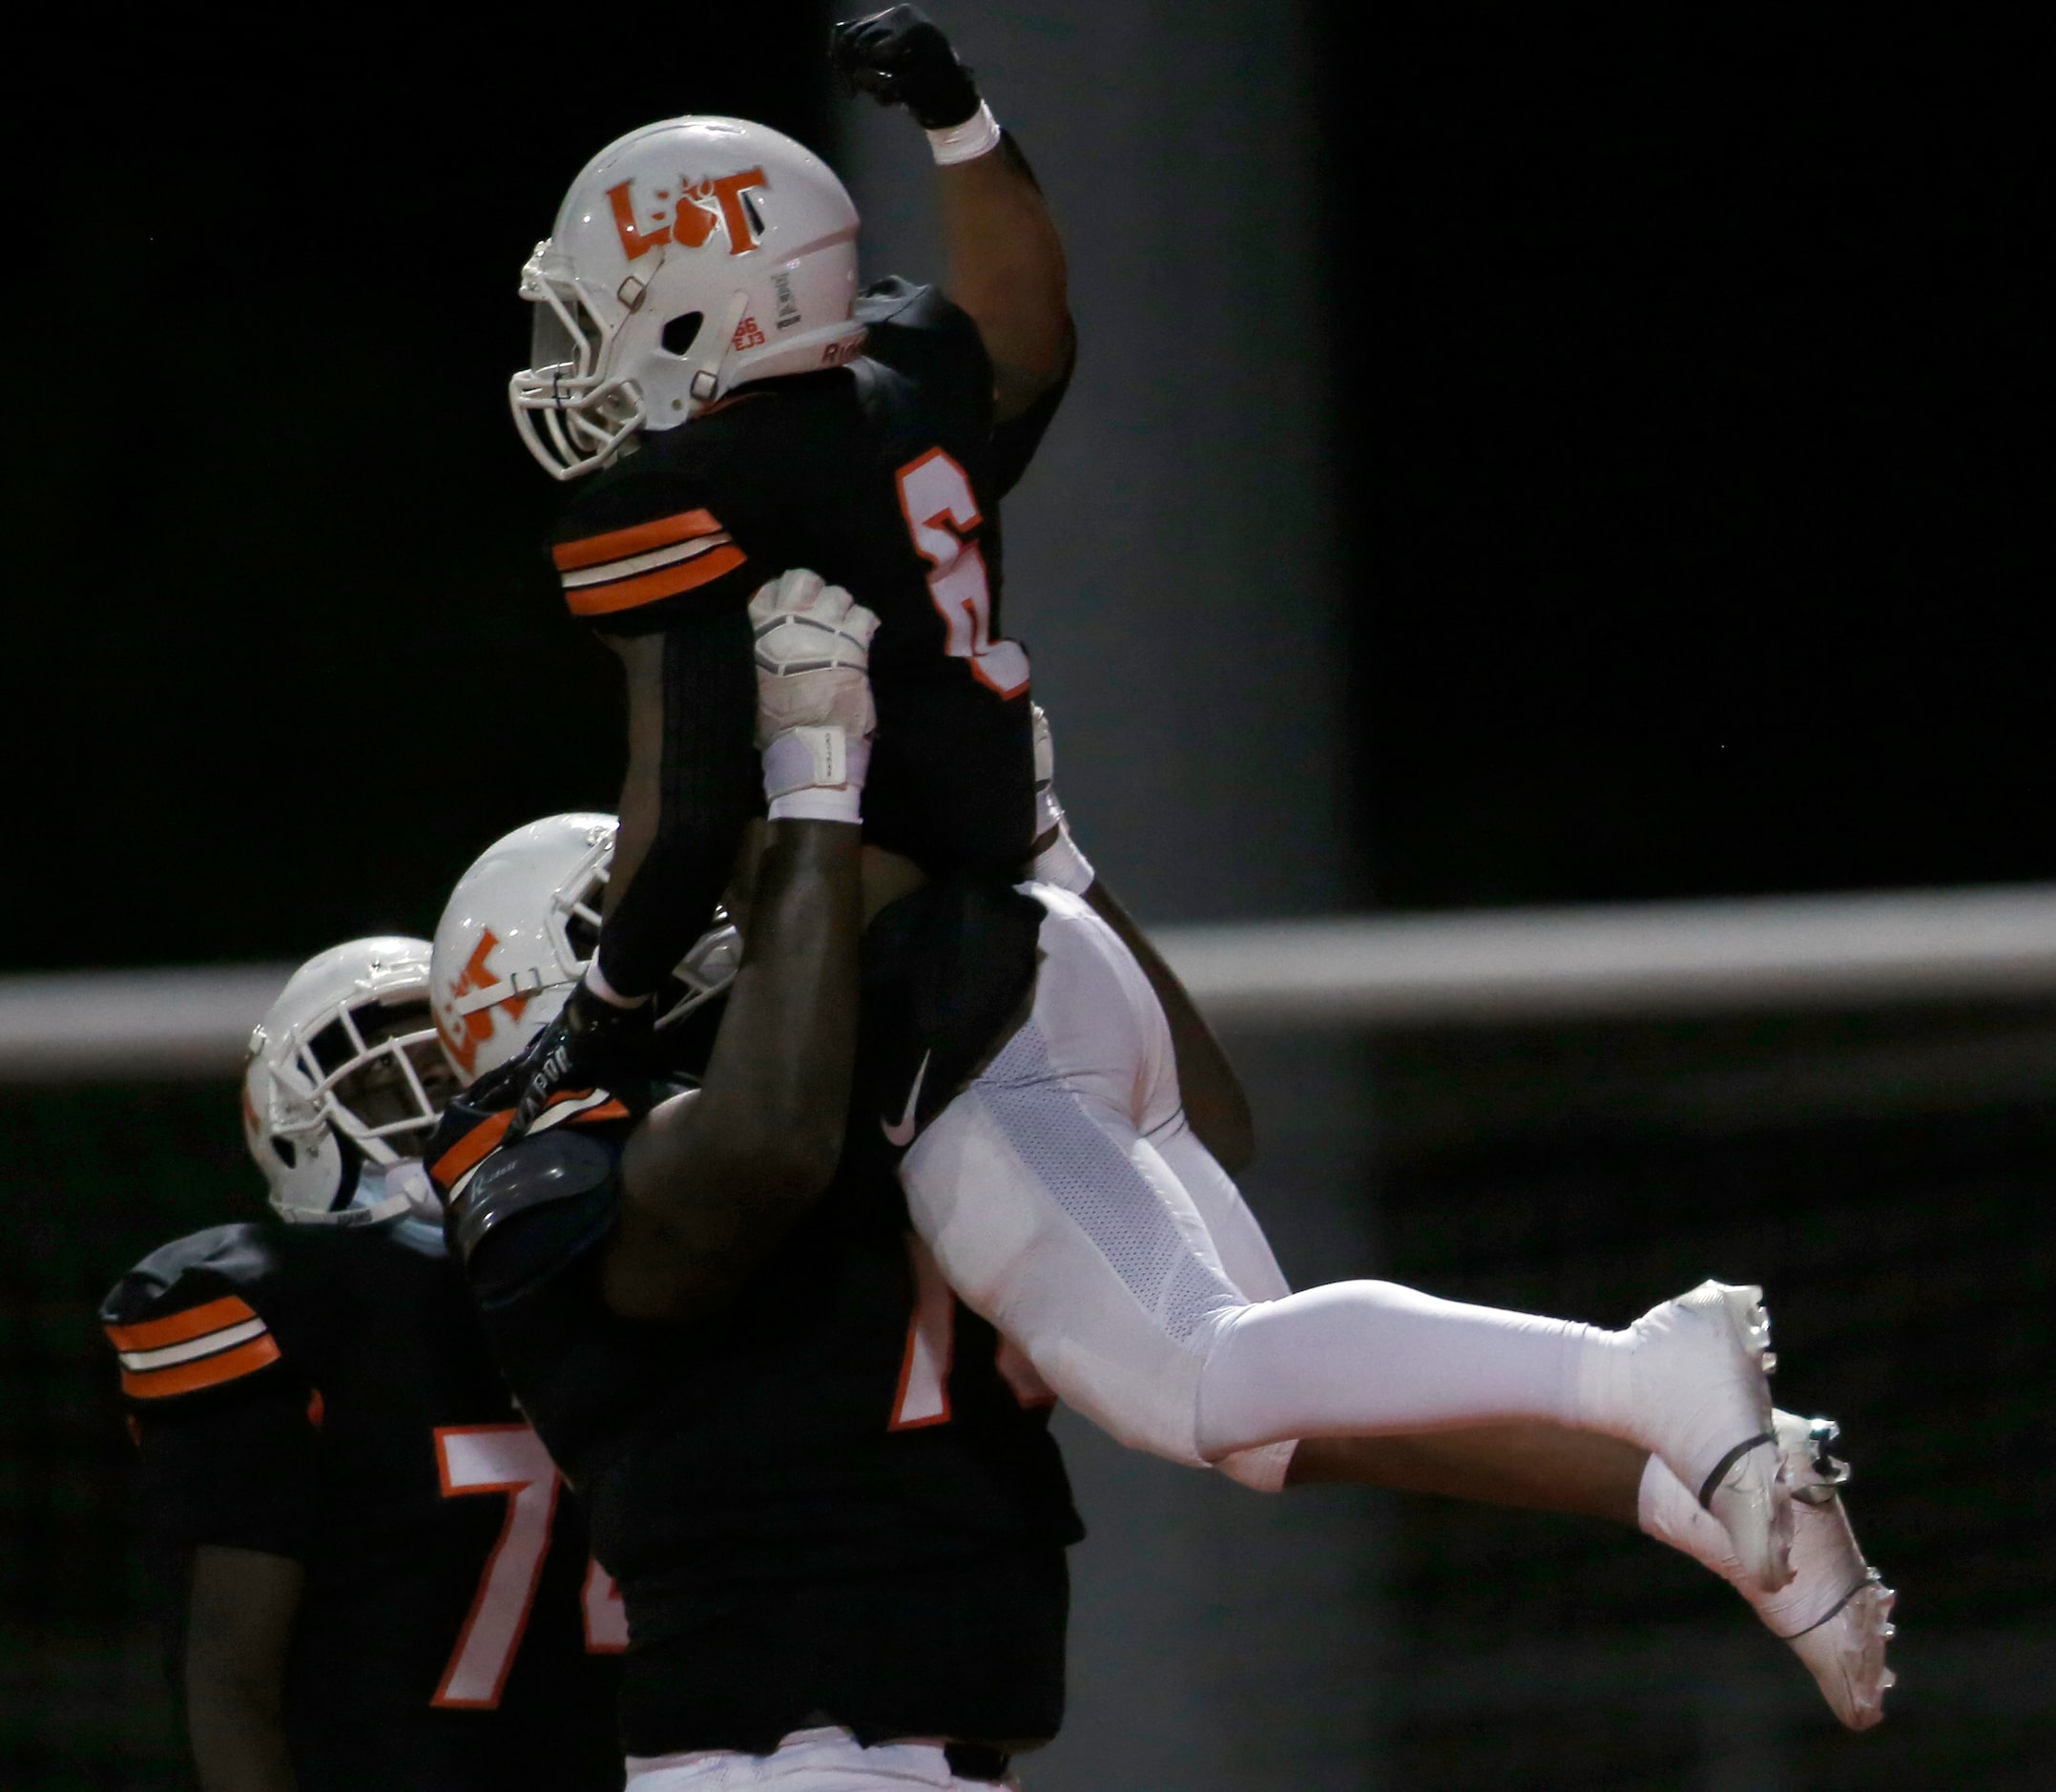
511,1459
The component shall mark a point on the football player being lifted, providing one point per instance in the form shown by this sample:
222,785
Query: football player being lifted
837,1524
1061,1187
376,1582
818,1488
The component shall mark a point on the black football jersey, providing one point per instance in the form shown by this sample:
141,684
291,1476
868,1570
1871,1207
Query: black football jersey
840,1496
883,477
324,1393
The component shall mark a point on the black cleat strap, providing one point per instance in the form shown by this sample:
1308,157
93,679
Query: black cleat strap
1726,1462
1808,1629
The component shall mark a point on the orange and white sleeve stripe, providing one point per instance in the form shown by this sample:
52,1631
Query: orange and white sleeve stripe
201,1347
628,568
580,1106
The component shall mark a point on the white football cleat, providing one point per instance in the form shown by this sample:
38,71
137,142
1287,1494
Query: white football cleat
1690,1385
1835,1613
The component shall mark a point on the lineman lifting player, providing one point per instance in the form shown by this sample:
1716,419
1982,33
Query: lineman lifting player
696,268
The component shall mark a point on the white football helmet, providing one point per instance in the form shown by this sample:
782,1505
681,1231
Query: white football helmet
518,930
343,1085
689,256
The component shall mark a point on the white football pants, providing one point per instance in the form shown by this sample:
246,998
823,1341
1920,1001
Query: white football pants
807,1760
1067,1201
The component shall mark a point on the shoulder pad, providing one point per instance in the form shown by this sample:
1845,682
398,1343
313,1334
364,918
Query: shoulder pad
898,314
884,300
541,1169
469,1132
189,1316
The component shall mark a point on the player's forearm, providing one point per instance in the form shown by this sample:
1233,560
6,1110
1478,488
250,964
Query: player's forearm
1544,1468
1215,1103
240,1612
779,1077
713,1183
238,1738
1005,269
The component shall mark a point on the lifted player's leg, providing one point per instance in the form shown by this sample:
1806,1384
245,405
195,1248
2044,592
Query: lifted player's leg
1054,1213
1834,1613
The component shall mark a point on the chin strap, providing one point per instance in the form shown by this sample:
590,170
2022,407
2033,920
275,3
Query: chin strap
405,1189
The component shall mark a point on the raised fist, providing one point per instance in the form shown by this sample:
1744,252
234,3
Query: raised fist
901,57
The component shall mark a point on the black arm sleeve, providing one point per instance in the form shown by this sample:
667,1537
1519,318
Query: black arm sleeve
240,1473
711,787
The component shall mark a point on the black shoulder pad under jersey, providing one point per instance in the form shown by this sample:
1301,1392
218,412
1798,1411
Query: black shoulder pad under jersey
197,1314
542,1168
918,332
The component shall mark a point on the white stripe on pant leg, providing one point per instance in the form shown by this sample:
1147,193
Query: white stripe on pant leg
1081,1249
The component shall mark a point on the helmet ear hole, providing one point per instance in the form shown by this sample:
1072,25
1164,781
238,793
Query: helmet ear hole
288,1154
680,332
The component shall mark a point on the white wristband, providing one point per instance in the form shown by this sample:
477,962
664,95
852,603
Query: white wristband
977,135
816,774
801,759
817,804
595,980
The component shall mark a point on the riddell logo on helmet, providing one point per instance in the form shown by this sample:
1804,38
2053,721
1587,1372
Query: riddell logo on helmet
476,1028
691,221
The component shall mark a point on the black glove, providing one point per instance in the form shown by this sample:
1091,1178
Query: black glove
592,1044
901,57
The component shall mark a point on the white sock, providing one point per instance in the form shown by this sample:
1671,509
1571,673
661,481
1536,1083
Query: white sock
1356,1359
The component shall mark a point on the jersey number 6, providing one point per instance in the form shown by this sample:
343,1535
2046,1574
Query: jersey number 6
936,499
511,1459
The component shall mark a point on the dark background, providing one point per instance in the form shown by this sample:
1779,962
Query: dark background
1696,394
284,637
1683,387
1687,434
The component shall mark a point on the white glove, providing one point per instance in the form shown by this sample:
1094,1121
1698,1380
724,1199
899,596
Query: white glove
1834,1612
814,713
1059,861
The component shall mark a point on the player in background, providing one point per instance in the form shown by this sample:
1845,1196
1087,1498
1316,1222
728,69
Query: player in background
1058,1191
375,1579
832,1504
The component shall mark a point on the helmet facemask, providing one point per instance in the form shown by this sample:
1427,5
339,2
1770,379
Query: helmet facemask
570,412
703,974
344,1085
374,1071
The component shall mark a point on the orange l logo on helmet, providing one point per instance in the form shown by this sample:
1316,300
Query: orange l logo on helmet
691,223
476,974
